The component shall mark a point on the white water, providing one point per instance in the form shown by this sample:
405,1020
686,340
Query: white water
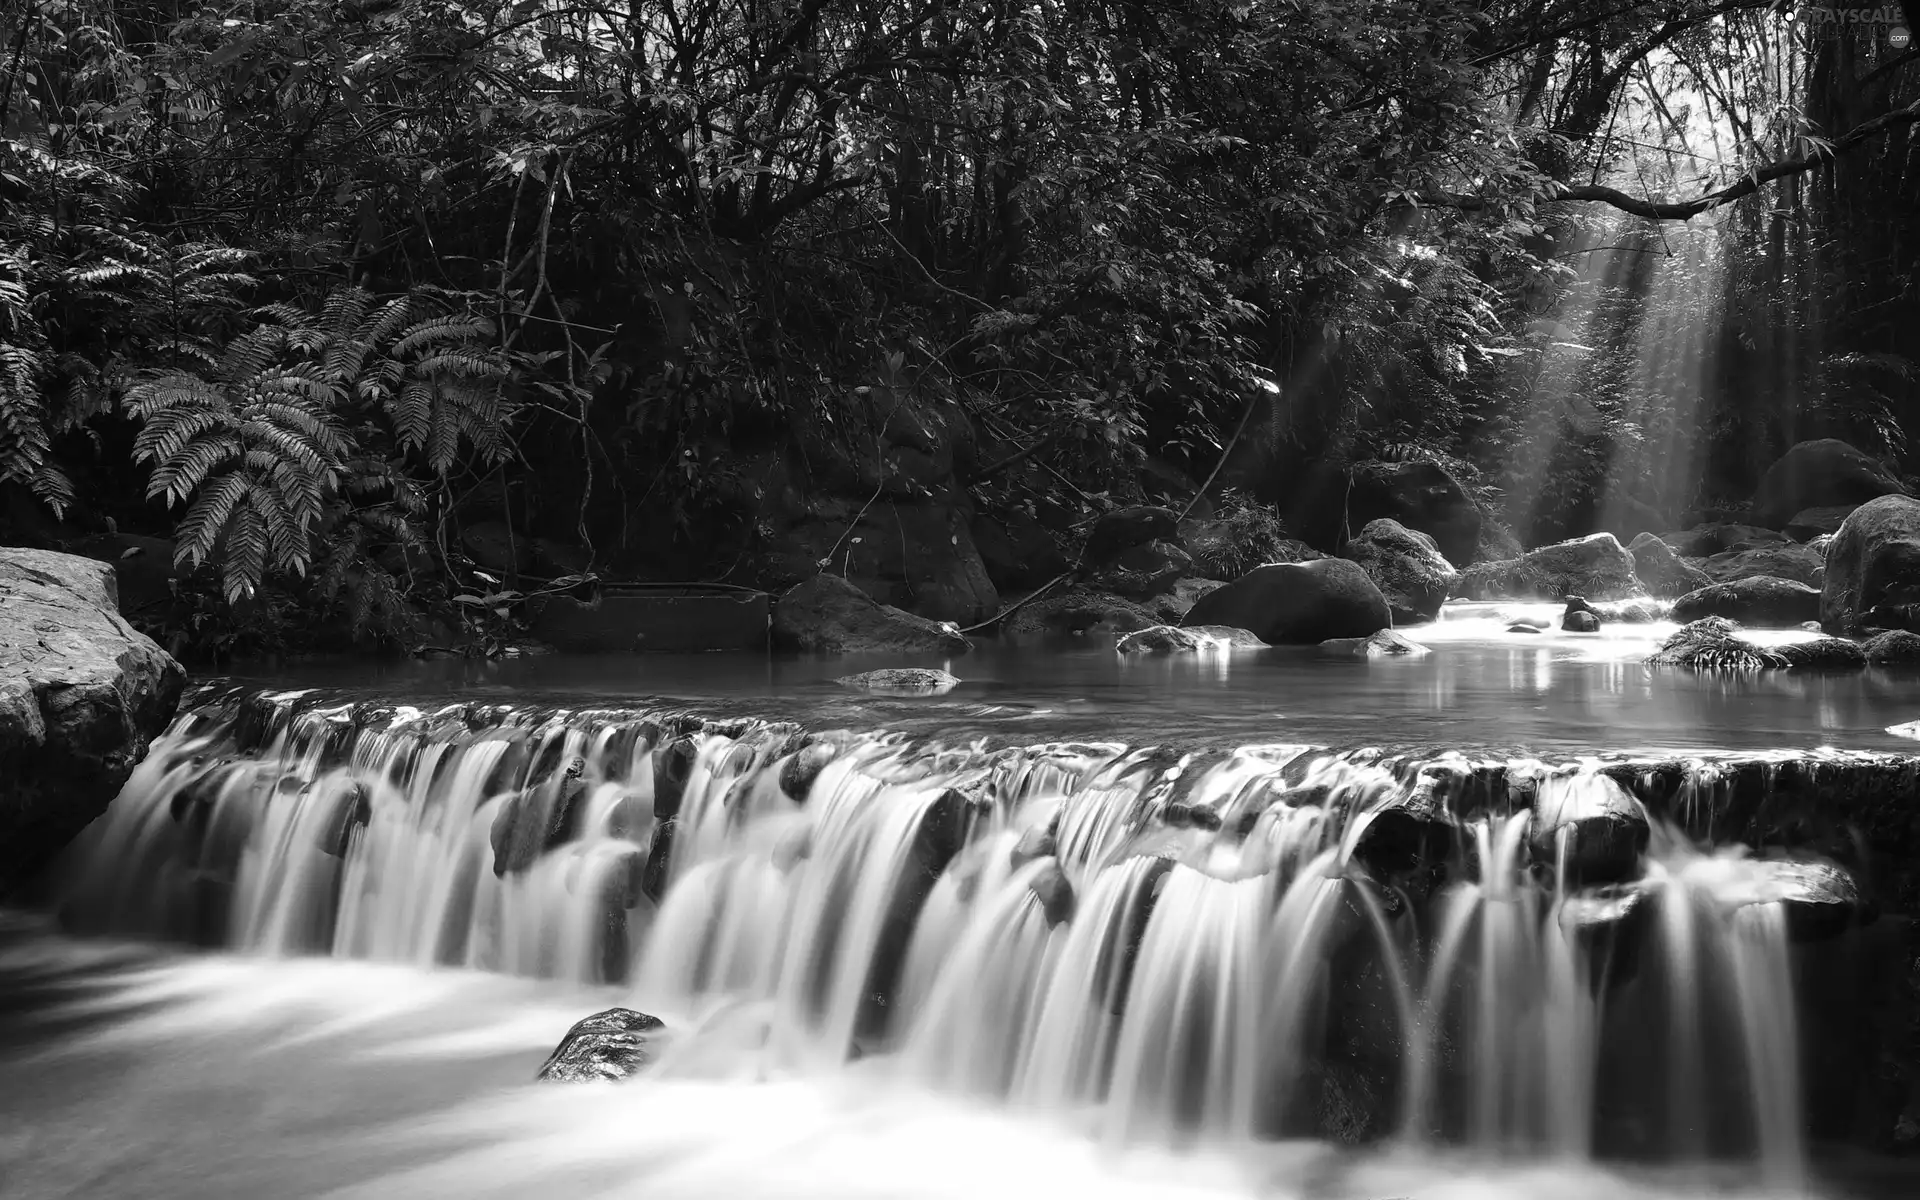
877,984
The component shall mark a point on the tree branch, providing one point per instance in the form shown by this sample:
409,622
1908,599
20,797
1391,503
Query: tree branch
1751,182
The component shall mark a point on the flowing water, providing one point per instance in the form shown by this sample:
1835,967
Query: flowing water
1137,946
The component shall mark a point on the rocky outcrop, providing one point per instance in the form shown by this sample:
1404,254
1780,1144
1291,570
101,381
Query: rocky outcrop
1798,563
81,695
608,1045
1873,568
1759,600
829,615
1661,569
1597,567
1293,603
1818,474
1406,566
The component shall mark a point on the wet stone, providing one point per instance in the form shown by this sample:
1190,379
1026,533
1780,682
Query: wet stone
609,1045
901,681
1054,892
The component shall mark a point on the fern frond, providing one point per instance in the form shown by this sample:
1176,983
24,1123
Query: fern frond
199,531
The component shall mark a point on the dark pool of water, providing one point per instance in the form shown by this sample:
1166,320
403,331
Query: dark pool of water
1481,689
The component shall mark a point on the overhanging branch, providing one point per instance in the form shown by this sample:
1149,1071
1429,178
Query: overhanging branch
1751,182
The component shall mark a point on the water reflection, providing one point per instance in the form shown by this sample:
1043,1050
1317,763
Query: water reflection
1480,687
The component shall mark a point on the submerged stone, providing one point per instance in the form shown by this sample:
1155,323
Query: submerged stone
1175,639
1584,621
901,681
1160,639
1387,643
614,1044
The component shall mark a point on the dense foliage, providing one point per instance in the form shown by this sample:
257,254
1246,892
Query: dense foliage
312,288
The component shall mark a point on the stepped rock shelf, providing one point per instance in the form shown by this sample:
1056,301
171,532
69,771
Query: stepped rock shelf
1507,954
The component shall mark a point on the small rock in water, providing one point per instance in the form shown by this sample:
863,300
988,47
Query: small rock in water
1580,621
1384,644
1171,639
607,1045
901,681
1054,892
1161,639
1524,627
1712,644
1810,627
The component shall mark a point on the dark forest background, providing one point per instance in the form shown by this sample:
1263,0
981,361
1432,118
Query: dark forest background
374,318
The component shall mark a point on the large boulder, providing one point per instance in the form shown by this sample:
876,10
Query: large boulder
1663,572
1406,566
1757,600
829,615
1799,563
81,695
1873,568
1597,567
1422,496
1286,603
1817,474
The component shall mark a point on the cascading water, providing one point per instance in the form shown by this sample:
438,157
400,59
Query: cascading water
1281,942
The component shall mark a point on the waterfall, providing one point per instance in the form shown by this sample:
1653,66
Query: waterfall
1276,942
